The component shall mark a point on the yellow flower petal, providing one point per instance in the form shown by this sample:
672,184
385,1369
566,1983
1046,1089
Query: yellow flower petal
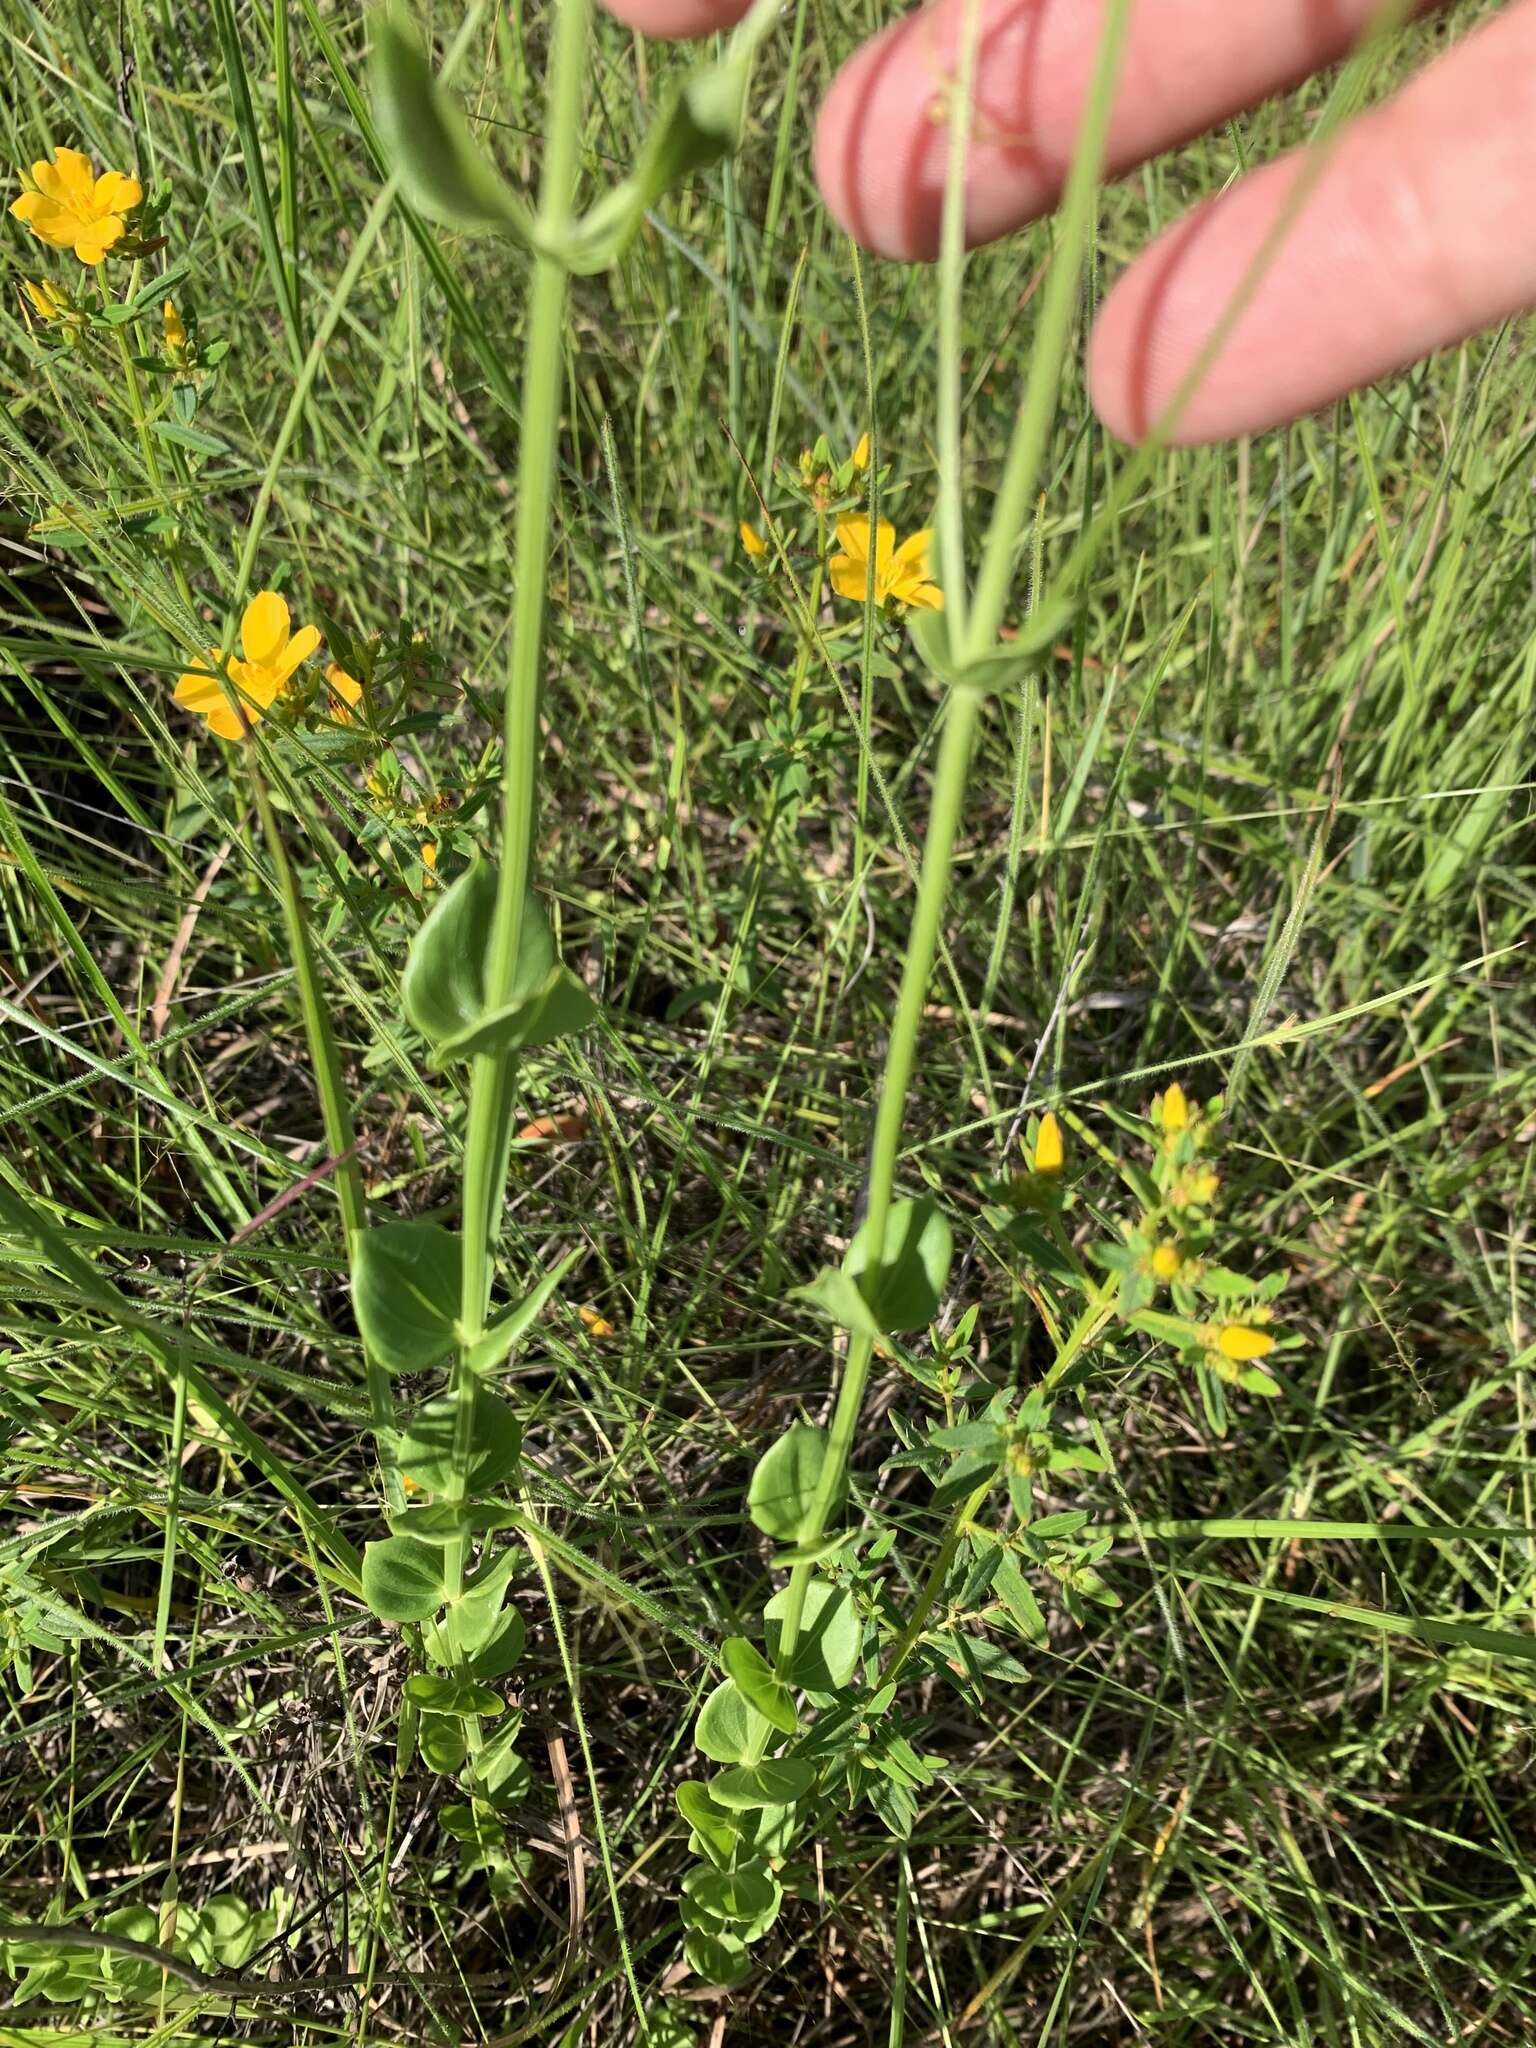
264,628
1237,1342
1050,1153
861,453
853,539
912,556
752,540
94,239
115,192
347,690
299,648
850,578
72,178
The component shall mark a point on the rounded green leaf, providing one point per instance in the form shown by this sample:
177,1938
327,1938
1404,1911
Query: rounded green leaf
715,1827
830,1633
425,1451
778,1781
405,1293
443,1741
914,1267
717,1958
729,1725
756,1678
402,1578
444,987
438,1693
783,1487
731,1894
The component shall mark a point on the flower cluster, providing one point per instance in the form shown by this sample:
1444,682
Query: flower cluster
902,576
1221,1319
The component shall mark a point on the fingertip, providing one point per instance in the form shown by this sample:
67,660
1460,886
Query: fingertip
677,20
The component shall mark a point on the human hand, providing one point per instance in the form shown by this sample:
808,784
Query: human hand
1419,231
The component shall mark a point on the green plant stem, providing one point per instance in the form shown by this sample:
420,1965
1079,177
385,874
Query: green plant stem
492,1076
933,1585
933,883
1027,446
335,1107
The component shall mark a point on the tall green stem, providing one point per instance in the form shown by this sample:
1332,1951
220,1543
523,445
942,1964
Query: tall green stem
492,1084
933,882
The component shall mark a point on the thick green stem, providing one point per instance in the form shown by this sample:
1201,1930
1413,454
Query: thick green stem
933,883
492,1077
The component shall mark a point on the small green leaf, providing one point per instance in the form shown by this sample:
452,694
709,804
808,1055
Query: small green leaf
710,1821
729,1725
914,1266
505,1333
783,1486
779,1781
440,1693
403,1579
1001,666
1254,1380
828,1646
426,1445
405,1293
1013,1589
702,125
443,1741
755,1676
717,1958
840,1301
740,1894
497,1772
427,141
444,990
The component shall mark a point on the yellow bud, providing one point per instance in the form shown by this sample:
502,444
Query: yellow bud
861,453
1166,1262
597,1326
1049,1152
48,302
175,332
429,860
1173,1110
752,540
1237,1342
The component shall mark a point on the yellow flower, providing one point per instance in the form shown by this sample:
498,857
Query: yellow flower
175,331
1049,1151
900,572
597,1326
861,453
1166,1263
1171,1110
272,652
1239,1343
752,540
74,209
48,302
429,860
346,691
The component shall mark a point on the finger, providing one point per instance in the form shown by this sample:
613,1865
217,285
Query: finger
1416,234
676,18
881,153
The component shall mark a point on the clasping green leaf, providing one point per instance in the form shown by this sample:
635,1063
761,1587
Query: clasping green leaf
442,169
444,985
